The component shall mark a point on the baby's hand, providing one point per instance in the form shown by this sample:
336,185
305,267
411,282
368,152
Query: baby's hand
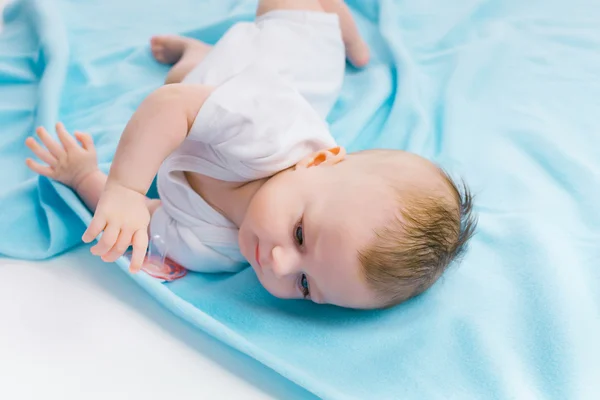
68,162
122,217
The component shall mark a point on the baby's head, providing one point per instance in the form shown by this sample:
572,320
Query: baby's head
365,230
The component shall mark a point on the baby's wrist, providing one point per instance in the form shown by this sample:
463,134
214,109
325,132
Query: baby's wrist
115,182
84,178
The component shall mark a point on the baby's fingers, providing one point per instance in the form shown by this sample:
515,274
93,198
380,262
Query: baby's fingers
65,138
140,244
86,141
39,151
119,248
96,226
55,148
107,241
39,168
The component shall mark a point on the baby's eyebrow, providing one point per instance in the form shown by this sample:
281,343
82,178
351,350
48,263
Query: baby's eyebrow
313,234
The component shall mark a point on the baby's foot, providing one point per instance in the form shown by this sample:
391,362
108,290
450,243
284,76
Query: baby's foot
357,52
169,49
181,52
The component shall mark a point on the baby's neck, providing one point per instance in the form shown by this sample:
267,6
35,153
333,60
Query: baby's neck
236,202
231,199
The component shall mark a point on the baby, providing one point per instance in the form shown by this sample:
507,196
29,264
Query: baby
249,173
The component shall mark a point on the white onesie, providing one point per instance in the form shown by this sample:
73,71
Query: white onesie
276,80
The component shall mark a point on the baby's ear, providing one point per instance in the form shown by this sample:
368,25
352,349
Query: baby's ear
323,157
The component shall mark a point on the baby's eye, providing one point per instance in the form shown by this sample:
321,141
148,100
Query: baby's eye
303,285
299,234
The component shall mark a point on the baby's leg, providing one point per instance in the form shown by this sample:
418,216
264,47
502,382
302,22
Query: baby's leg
357,50
184,53
264,6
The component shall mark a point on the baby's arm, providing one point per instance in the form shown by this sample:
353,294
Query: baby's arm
91,187
156,129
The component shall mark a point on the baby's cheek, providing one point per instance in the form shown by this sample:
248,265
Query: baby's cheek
275,287
264,209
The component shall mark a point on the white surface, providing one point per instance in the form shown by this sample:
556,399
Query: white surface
77,328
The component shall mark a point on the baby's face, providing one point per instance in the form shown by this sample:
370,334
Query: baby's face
304,228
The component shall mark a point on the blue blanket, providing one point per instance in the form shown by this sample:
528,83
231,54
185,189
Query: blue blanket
503,92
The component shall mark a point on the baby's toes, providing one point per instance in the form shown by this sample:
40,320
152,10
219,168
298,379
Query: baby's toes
358,53
158,49
168,49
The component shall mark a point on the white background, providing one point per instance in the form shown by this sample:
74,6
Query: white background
76,328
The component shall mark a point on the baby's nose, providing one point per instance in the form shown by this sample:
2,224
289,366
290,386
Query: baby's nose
282,262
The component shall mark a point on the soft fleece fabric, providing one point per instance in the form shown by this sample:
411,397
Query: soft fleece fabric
502,92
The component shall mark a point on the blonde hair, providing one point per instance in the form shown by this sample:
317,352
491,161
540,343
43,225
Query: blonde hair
409,254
